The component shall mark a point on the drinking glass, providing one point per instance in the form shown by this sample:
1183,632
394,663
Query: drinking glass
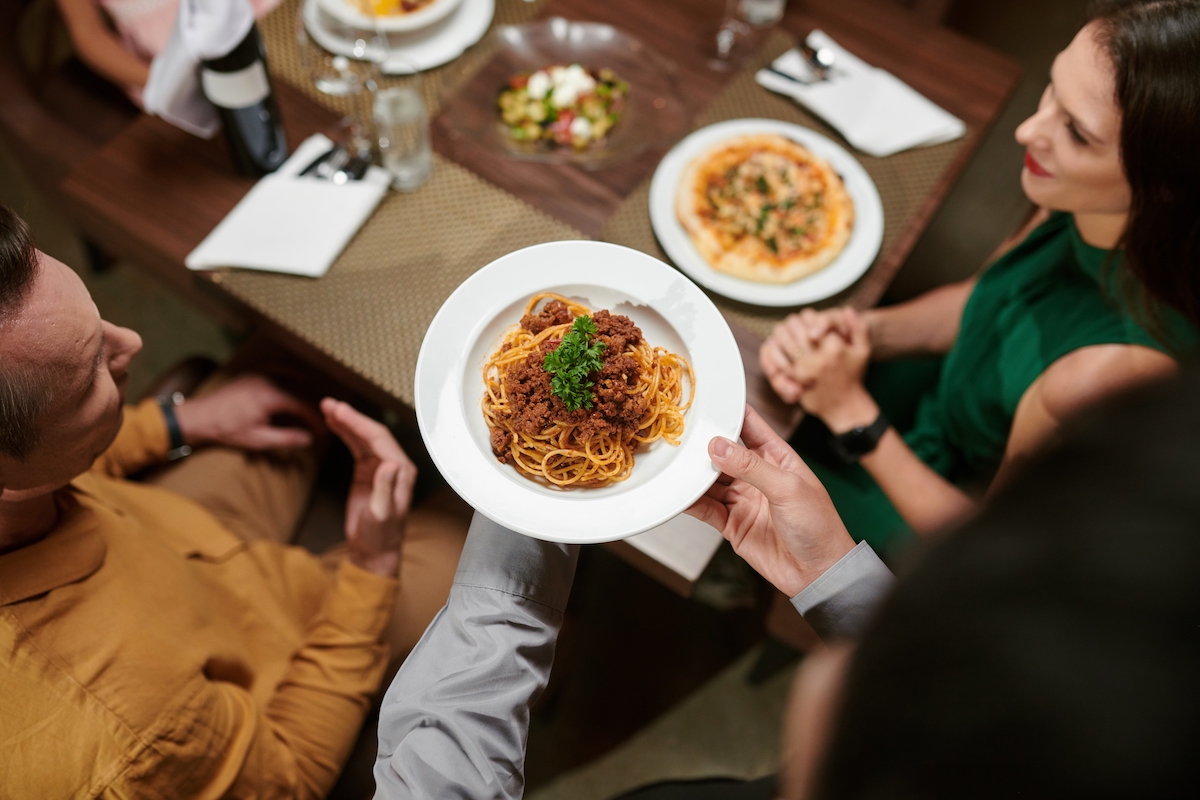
742,31
343,61
402,124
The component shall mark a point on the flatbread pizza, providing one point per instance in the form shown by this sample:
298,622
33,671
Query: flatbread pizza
764,208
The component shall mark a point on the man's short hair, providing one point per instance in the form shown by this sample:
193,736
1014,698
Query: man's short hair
25,390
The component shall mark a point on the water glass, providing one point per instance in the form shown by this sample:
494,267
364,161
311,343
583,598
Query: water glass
402,123
761,13
341,60
742,31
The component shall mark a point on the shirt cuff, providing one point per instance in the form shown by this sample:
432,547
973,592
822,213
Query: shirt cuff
839,603
505,561
360,601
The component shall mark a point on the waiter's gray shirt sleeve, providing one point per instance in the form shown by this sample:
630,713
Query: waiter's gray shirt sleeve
839,603
454,721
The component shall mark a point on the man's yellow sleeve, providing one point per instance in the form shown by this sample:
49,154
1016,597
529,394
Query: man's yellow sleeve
141,442
223,745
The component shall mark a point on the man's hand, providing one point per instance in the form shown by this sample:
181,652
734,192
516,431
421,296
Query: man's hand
772,509
238,414
380,493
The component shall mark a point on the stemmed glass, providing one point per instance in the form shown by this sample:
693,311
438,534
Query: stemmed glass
343,61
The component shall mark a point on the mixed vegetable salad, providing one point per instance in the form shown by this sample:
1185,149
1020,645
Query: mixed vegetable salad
565,106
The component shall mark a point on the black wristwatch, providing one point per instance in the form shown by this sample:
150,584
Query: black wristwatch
857,442
176,448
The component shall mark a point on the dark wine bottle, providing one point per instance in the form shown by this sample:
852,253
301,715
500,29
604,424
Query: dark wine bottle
239,86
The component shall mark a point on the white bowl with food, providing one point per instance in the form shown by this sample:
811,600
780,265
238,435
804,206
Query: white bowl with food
522,477
392,16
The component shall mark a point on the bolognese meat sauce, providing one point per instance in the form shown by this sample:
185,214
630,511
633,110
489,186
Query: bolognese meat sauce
532,407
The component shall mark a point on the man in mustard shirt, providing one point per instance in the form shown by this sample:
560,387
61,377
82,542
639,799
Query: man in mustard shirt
148,646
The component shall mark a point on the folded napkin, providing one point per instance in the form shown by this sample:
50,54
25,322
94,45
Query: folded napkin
204,29
292,224
684,544
876,111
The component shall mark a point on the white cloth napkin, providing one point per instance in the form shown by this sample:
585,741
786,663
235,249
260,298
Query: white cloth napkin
291,224
684,544
204,29
876,111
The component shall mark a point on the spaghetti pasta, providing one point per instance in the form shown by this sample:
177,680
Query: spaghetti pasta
638,398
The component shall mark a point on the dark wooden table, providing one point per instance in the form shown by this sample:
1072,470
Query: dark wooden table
967,79
154,191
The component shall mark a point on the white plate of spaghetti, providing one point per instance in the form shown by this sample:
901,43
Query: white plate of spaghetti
569,390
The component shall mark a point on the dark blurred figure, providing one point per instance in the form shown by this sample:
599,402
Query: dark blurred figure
1052,648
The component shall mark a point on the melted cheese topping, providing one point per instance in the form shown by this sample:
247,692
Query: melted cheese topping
769,197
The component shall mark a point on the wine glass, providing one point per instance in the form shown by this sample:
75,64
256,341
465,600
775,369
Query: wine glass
345,63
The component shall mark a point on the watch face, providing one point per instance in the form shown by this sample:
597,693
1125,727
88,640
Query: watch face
857,442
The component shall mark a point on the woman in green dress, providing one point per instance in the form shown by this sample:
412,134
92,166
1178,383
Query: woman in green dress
1102,295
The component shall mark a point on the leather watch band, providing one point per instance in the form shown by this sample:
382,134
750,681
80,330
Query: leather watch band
177,449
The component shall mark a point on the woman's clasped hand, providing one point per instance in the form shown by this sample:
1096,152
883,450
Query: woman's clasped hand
818,359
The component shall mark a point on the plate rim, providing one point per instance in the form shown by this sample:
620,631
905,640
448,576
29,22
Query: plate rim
403,24
452,49
678,246
474,484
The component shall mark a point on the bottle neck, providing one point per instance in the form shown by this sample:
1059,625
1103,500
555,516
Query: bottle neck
243,54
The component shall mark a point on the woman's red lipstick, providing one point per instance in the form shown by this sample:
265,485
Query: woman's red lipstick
1033,166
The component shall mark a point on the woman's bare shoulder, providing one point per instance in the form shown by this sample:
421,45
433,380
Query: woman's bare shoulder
1089,375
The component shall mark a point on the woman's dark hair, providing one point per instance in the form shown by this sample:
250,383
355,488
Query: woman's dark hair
1051,648
1155,50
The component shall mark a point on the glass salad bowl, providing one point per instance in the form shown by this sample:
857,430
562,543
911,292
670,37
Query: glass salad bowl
630,90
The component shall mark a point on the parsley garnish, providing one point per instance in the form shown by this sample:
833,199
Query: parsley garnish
572,361
761,184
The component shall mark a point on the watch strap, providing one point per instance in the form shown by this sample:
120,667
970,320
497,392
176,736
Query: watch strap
176,448
858,442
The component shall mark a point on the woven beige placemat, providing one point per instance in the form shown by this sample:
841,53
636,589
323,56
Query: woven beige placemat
904,180
371,310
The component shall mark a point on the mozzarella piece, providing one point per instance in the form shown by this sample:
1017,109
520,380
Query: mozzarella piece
570,83
581,128
539,84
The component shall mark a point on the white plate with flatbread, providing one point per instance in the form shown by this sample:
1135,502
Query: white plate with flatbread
854,259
